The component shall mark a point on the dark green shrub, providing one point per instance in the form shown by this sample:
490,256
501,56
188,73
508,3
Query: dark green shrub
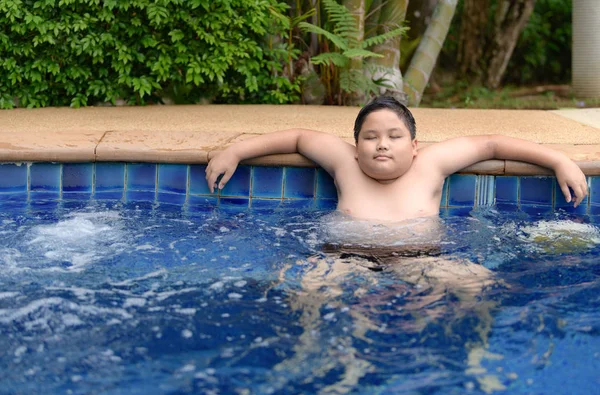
81,52
543,52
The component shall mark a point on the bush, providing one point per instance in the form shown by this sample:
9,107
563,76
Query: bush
81,52
543,52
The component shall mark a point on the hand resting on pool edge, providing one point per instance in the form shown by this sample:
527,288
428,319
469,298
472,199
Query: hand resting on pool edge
386,177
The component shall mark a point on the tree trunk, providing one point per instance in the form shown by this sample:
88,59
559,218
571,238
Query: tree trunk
510,20
425,57
472,36
586,48
357,9
387,68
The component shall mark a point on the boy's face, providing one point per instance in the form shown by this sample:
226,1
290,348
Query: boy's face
384,149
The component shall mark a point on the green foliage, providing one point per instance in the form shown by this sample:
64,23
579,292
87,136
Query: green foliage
344,36
543,52
81,52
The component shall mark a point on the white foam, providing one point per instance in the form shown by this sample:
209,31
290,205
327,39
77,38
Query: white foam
79,240
6,295
558,234
10,315
186,311
71,320
159,273
135,302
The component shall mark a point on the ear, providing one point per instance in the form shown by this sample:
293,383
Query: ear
356,151
415,144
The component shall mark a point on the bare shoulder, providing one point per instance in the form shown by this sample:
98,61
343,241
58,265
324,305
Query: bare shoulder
327,150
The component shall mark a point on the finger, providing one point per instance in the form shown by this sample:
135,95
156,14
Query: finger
226,176
579,194
212,180
207,171
565,190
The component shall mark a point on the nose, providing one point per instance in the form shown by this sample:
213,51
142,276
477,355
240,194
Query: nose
382,145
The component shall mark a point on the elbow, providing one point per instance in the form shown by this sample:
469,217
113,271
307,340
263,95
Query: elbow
492,146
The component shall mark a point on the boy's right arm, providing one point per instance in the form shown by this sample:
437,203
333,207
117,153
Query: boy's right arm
324,149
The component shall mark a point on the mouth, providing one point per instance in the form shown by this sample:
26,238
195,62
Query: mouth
381,157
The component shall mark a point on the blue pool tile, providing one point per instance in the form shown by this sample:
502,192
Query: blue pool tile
536,191
109,195
507,190
299,182
444,200
171,198
268,204
536,211
507,207
267,182
594,192
461,190
560,202
172,178
298,203
141,177
78,177
140,196
233,201
13,203
13,178
198,184
109,177
326,204
325,185
456,212
239,183
45,177
13,197
486,190
43,203
201,203
77,195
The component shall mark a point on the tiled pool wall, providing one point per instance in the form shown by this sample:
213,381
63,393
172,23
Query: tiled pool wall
257,186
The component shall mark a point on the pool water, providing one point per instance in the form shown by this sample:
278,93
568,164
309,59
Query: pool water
113,298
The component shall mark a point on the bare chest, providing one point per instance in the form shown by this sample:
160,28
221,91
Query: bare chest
406,198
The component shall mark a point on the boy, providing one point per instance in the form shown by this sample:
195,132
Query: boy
385,177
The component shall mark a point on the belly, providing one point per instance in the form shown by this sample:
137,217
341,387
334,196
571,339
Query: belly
346,230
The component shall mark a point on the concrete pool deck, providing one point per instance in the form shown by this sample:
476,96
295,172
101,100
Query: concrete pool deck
194,133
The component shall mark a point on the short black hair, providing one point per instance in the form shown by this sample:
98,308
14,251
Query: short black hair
390,103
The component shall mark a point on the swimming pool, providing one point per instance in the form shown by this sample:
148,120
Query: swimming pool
146,287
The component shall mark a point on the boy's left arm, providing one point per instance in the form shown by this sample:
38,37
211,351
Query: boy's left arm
453,155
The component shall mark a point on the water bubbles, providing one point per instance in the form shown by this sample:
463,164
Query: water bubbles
134,302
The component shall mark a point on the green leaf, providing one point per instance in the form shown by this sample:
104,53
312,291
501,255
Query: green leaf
361,53
337,41
335,58
380,39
